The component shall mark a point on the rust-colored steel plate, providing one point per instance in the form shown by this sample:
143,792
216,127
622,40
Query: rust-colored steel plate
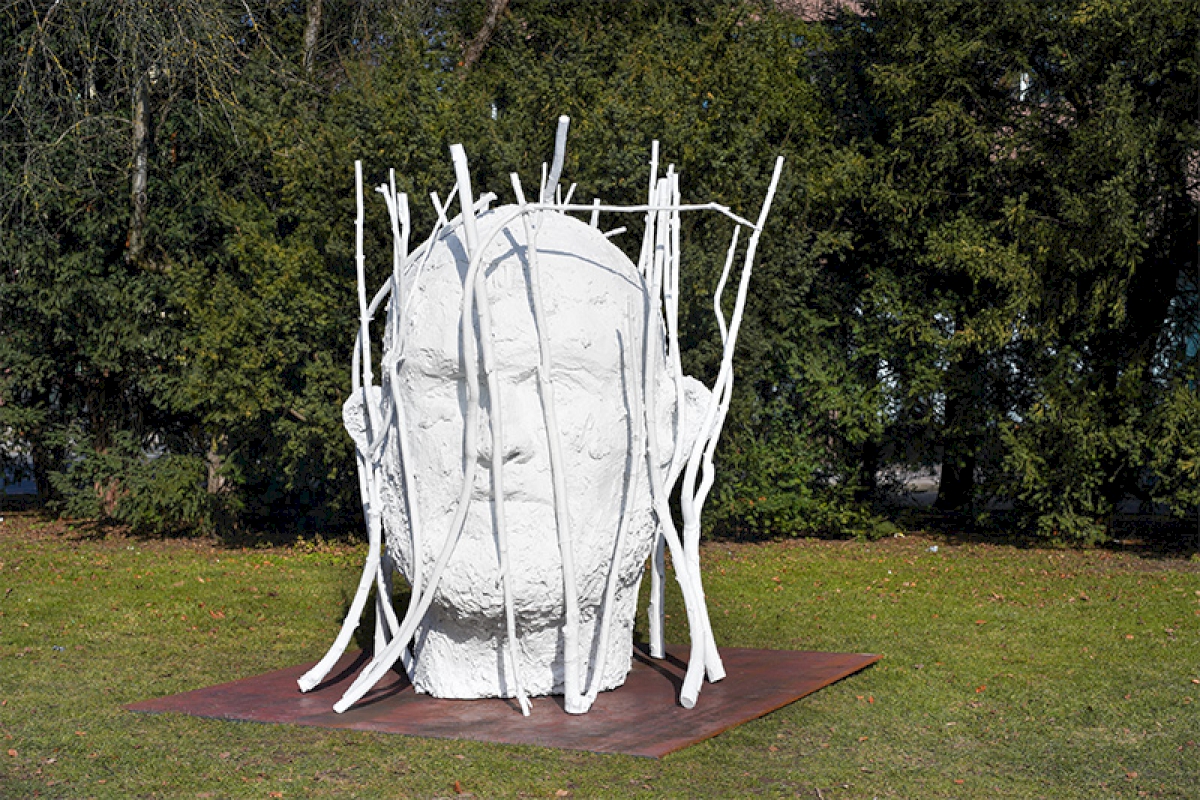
641,718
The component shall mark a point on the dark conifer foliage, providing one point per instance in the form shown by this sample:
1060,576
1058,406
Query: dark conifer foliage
982,256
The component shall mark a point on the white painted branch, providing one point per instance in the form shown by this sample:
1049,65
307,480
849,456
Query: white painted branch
659,284
364,316
465,200
365,473
418,606
314,676
691,501
717,409
573,700
670,194
515,179
497,420
386,624
660,491
720,314
636,420
560,152
658,557
647,250
650,207
695,671
398,212
475,252
441,209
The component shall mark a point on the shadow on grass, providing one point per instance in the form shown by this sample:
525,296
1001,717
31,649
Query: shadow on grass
40,518
19,502
1145,536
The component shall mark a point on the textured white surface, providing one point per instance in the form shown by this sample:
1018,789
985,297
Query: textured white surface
596,311
540,525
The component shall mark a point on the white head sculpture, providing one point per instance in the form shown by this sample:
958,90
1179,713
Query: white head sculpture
516,458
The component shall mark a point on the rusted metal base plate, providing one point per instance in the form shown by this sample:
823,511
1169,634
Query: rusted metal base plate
641,718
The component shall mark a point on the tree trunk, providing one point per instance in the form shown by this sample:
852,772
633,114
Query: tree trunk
217,483
868,471
495,9
956,490
312,32
961,434
136,241
43,463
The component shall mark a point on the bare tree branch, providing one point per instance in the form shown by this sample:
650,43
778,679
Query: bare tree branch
312,31
496,8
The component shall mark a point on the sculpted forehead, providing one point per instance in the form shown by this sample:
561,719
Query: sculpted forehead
591,295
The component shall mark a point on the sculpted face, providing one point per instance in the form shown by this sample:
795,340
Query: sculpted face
517,458
594,318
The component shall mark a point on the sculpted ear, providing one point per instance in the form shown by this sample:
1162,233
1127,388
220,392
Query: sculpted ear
696,397
354,416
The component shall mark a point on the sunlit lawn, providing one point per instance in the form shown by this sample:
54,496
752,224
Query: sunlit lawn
1007,672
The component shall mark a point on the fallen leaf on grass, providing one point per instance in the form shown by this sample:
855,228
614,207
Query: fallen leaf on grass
981,622
458,788
1131,775
562,792
12,752
980,689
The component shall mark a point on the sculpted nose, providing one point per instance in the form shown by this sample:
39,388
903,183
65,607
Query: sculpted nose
521,422
522,434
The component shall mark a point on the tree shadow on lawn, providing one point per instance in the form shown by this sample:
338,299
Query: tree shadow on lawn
32,519
1146,536
1151,537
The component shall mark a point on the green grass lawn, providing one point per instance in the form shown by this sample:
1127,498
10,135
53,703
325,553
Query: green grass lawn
1006,673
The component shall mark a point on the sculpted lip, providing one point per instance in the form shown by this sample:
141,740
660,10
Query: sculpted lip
523,331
